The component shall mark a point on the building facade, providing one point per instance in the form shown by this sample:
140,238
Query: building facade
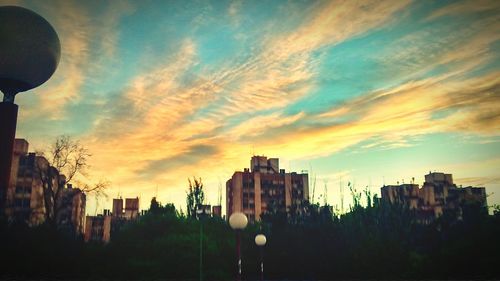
439,194
265,187
131,208
28,198
117,207
217,211
71,210
404,194
38,191
101,228
98,228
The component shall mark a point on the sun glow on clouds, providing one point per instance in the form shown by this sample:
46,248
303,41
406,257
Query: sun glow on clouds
177,116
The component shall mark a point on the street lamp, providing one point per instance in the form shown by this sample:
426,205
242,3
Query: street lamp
29,55
260,240
201,214
238,222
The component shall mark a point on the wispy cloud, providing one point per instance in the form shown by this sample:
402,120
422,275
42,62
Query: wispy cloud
173,112
79,34
161,114
461,8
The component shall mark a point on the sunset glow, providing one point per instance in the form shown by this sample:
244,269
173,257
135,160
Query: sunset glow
361,92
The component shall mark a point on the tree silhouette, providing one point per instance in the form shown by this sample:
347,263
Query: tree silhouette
66,157
195,196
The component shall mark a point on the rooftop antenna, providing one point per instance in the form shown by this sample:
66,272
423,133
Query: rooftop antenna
219,195
314,189
96,206
311,174
325,192
341,196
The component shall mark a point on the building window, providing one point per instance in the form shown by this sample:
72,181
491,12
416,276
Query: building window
22,203
18,203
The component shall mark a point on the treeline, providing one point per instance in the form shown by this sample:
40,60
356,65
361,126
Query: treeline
370,242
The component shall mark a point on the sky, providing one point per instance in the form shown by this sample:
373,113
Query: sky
365,92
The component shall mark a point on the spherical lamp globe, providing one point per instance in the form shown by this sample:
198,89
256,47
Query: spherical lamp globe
29,52
260,240
238,221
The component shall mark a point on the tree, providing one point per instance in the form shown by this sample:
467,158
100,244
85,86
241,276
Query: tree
195,196
69,158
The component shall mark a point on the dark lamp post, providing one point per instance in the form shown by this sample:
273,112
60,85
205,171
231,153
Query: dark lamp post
201,214
238,222
29,55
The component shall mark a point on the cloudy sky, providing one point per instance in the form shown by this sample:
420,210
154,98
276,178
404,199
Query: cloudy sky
363,92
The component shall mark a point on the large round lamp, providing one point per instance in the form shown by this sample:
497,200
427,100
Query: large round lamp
238,222
29,55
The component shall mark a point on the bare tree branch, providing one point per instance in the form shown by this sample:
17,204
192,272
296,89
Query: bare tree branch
70,158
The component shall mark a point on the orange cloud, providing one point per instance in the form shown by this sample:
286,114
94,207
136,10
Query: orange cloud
160,129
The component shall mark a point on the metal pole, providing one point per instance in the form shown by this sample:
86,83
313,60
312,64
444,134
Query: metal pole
261,263
238,254
201,250
8,120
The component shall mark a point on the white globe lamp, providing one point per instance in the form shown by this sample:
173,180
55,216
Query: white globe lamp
238,221
260,240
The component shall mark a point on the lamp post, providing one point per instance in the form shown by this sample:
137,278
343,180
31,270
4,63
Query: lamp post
29,55
260,240
201,213
238,222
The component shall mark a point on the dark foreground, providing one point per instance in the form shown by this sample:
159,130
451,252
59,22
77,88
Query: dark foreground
56,279
369,243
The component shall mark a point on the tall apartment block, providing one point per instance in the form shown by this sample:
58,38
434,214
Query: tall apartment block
263,187
437,195
71,210
25,193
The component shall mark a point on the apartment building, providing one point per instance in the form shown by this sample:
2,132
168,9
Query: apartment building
438,194
264,187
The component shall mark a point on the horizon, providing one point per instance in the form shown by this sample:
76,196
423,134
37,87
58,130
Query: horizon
160,92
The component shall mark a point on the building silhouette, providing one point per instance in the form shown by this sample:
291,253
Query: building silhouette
438,195
217,211
98,228
131,208
101,228
117,210
28,200
71,210
265,187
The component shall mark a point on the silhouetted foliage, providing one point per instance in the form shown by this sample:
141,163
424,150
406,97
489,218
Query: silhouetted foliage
378,241
195,196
